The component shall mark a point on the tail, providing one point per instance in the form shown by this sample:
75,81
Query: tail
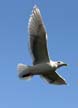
23,71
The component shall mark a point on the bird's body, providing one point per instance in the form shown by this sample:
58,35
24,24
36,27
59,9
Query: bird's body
42,65
42,68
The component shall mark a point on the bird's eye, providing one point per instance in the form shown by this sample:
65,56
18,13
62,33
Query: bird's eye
58,62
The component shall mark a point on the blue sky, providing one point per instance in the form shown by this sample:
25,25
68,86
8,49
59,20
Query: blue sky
61,21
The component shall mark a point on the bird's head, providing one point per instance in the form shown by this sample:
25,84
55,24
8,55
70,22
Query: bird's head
60,63
57,64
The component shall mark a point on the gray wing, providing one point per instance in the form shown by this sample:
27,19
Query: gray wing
37,38
54,78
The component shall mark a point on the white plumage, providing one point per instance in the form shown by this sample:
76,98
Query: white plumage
42,65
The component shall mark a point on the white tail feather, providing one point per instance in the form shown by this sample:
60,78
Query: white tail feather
23,71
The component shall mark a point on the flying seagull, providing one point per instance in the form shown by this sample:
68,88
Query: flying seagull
42,65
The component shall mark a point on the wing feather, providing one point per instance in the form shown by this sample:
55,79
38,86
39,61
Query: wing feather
54,78
37,38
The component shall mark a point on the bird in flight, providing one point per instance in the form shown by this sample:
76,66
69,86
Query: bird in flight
42,65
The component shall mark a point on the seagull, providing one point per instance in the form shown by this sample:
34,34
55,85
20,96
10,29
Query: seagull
42,65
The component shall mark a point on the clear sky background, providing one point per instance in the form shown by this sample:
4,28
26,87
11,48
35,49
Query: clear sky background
61,21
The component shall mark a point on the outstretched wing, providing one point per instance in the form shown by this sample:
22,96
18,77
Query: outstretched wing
54,78
37,38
